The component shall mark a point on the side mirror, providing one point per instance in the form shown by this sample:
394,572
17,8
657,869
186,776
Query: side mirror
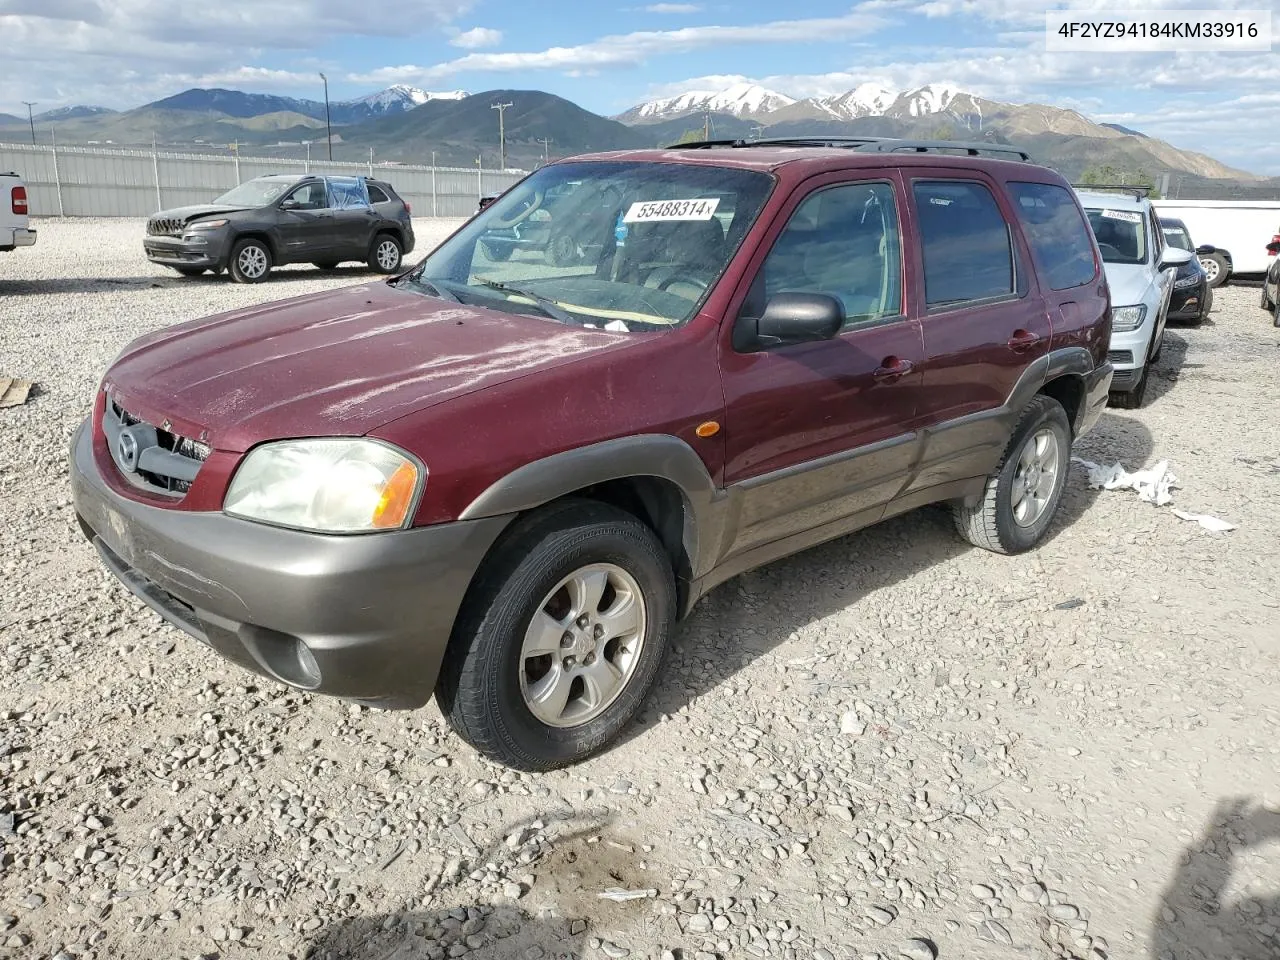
799,318
1205,249
1175,257
1273,247
293,203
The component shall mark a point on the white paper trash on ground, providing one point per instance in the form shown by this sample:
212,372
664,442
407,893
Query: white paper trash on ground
1206,521
1153,485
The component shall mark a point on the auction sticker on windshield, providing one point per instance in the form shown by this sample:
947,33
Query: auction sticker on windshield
1128,216
649,211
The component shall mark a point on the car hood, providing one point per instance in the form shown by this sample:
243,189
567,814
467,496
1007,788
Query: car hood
186,214
338,363
1129,283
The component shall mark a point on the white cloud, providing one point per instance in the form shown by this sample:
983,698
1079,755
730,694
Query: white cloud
477,37
673,8
627,49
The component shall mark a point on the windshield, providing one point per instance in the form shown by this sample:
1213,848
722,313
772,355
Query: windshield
624,246
1178,237
1122,235
255,193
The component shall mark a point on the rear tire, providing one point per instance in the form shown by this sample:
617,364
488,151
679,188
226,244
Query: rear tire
385,254
1267,303
1276,316
250,261
1217,267
490,683
1023,494
1132,399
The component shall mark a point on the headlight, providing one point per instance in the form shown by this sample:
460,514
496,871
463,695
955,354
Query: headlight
206,225
332,485
1185,282
1128,318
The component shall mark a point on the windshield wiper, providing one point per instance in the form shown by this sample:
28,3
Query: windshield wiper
432,290
548,306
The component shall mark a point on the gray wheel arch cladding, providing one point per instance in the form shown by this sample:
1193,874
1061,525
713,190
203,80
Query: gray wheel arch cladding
646,455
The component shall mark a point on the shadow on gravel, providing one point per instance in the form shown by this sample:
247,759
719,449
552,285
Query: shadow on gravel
725,634
1199,918
283,275
1173,357
572,857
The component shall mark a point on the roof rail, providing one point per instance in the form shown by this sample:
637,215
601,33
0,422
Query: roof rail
863,145
1139,192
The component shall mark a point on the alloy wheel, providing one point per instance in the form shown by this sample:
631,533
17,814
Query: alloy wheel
1036,477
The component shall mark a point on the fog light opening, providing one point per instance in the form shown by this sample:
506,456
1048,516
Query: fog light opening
283,655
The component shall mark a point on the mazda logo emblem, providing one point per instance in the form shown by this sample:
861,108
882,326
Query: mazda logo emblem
127,450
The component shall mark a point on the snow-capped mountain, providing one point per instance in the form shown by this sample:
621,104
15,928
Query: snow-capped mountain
398,98
746,100
71,113
929,99
864,100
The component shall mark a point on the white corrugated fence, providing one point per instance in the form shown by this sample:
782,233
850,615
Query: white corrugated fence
106,182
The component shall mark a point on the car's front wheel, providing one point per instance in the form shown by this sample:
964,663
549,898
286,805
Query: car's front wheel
1023,494
250,261
561,637
385,254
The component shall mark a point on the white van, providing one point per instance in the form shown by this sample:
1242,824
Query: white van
1240,229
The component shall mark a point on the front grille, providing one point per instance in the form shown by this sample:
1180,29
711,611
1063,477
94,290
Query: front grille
151,457
164,227
1120,356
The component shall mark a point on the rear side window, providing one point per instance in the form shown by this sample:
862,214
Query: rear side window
1058,234
965,240
377,194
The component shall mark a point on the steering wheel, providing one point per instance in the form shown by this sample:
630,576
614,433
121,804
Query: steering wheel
535,203
684,278
1104,247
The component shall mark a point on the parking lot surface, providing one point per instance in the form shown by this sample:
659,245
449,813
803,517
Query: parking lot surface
892,745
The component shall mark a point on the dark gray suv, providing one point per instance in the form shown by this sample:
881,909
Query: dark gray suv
281,218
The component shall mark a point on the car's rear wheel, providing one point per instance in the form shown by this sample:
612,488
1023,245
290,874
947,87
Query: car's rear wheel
1024,492
562,251
385,254
1267,303
560,638
1216,269
250,261
1276,315
1132,398
500,252
190,271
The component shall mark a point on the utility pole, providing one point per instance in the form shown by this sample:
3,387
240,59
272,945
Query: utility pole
706,125
327,125
544,141
502,131
31,119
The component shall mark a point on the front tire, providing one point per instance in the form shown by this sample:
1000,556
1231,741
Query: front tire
1132,399
385,254
250,261
560,638
1022,496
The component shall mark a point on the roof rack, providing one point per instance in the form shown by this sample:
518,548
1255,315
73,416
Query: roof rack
864,145
1139,192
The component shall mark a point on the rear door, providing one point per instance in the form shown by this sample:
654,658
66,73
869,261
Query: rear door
355,227
306,225
983,319
821,432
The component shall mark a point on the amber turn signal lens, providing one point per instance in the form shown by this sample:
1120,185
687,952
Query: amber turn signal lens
708,429
397,497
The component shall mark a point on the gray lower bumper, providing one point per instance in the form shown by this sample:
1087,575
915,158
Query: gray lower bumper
360,617
176,252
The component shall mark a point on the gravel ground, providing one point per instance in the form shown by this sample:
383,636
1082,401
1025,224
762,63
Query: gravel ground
890,746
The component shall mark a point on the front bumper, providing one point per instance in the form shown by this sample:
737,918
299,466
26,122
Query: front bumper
363,617
177,252
1096,387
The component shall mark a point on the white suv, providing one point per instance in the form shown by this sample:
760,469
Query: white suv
15,231
1140,269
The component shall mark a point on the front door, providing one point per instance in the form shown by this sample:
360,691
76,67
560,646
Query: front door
983,318
306,225
822,432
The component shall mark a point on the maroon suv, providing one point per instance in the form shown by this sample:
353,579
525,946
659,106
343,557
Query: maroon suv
501,477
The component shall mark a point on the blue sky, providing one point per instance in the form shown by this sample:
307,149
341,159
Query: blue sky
607,57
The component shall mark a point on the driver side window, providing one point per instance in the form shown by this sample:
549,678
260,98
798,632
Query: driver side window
309,196
843,241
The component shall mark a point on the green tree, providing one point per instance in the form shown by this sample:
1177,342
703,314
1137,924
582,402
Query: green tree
691,136
943,131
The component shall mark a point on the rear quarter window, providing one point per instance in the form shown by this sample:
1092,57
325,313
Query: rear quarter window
377,195
1058,234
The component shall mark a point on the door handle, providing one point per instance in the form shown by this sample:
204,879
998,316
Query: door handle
1023,340
891,368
